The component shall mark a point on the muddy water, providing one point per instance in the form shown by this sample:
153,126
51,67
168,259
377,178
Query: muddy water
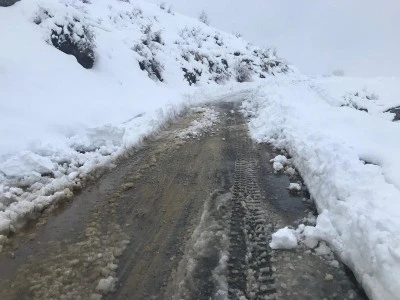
175,220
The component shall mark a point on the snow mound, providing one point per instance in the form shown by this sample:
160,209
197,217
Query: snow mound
294,187
283,239
279,163
106,285
280,159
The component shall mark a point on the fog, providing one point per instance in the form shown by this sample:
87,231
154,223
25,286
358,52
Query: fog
360,37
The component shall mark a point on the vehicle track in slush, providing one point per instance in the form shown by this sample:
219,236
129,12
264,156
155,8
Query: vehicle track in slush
179,218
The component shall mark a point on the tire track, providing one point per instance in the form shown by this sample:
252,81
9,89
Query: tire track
250,275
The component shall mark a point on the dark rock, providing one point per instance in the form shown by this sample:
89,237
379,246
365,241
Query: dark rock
395,111
225,63
82,50
355,106
6,3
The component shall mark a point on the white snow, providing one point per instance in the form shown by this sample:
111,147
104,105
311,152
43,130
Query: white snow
106,285
284,238
349,160
290,171
279,162
294,186
280,159
277,166
26,163
208,118
322,249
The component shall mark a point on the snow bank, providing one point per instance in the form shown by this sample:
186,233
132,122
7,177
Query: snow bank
349,161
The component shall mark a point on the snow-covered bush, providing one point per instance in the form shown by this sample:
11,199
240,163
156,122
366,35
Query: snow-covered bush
205,57
359,100
191,76
243,72
147,49
153,67
137,12
68,32
203,17
170,10
163,5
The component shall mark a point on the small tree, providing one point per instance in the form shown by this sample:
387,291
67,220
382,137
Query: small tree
204,18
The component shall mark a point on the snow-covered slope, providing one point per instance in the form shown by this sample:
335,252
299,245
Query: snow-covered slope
83,80
346,148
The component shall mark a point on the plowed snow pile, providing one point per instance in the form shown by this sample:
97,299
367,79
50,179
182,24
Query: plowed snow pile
349,159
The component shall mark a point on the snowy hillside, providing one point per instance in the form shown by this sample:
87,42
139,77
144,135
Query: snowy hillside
81,81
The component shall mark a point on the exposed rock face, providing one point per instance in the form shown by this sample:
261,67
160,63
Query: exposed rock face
81,48
6,3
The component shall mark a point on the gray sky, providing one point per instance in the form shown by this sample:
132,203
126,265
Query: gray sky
362,37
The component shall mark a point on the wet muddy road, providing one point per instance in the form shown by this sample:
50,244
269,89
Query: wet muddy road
188,216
